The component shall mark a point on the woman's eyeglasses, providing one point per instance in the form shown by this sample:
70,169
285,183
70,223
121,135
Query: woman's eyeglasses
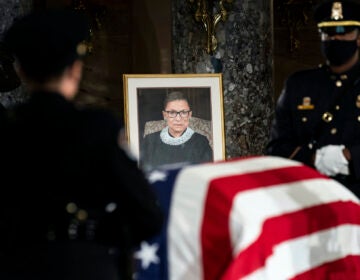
182,114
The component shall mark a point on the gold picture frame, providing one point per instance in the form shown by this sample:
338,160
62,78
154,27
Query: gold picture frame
143,106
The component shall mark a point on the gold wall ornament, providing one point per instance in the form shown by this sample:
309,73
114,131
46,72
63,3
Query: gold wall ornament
209,13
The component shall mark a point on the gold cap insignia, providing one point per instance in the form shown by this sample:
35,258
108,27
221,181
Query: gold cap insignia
336,11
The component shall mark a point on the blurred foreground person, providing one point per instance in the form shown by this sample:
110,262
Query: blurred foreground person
317,117
73,204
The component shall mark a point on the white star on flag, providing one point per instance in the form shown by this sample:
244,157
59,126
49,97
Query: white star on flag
157,176
147,254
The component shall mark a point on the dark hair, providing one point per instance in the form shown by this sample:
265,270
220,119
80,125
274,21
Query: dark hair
46,42
175,95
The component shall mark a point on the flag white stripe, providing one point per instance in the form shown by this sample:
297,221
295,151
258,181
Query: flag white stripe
253,207
192,182
290,259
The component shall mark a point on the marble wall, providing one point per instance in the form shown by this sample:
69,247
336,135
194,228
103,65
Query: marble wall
244,56
10,9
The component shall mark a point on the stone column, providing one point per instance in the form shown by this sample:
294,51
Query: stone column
10,9
244,56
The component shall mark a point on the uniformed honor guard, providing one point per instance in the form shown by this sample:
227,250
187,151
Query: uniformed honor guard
73,205
317,117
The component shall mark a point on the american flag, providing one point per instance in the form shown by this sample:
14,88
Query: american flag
252,218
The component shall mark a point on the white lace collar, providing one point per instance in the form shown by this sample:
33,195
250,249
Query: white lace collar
167,139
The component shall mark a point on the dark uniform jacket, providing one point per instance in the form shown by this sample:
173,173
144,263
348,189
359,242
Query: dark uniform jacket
319,108
2,116
66,181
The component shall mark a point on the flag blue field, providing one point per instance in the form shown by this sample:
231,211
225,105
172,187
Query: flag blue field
151,256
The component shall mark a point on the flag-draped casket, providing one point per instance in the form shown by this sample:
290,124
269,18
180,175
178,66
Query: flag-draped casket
252,218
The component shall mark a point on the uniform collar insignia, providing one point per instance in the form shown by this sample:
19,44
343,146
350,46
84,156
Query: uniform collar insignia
306,105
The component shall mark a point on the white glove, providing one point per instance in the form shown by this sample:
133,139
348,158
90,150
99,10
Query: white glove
330,160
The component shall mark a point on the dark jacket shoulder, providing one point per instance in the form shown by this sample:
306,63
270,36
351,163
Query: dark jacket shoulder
308,75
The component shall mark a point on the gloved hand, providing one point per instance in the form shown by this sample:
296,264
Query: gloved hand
330,160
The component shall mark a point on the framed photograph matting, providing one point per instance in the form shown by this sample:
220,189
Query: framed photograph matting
146,112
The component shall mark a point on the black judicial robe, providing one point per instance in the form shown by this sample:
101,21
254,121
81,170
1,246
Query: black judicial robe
71,199
155,153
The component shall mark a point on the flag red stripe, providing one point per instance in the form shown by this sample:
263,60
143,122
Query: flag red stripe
342,269
292,225
215,237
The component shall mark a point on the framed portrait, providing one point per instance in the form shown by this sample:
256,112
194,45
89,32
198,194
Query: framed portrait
174,118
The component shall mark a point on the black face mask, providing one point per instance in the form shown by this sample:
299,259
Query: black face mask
338,52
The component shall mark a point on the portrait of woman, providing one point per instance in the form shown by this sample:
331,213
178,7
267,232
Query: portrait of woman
176,142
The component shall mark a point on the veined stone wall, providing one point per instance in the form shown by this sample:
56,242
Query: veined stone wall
244,56
10,9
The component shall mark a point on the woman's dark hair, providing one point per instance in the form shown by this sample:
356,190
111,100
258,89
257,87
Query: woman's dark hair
175,95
